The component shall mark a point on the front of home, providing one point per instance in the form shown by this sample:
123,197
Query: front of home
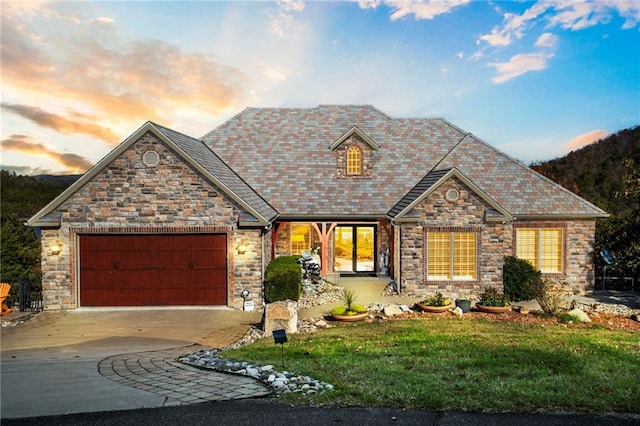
169,220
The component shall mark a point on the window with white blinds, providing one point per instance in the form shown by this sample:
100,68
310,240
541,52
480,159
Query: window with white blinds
542,247
451,256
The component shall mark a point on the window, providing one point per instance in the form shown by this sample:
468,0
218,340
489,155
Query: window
354,160
542,247
451,256
300,238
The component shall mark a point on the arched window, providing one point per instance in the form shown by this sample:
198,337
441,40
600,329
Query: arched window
354,161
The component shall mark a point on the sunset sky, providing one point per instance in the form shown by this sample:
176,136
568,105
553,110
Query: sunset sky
534,79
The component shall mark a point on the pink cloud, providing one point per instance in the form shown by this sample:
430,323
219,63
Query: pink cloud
81,123
21,143
586,139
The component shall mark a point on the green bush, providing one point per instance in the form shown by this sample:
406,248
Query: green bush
283,279
521,280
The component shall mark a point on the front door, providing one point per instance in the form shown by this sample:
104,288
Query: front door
354,248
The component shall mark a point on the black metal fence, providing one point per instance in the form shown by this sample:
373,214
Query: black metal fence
25,294
616,283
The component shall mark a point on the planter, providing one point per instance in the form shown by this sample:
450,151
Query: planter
463,304
434,309
350,318
492,309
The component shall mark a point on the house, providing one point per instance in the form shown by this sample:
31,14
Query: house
166,219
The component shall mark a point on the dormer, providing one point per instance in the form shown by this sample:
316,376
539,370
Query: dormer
354,154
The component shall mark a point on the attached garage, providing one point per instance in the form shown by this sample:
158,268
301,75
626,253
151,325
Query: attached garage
153,270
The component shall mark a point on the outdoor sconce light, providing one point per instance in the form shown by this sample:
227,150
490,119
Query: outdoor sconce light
242,249
55,248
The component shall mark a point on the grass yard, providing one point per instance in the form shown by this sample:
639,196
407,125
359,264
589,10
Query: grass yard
463,364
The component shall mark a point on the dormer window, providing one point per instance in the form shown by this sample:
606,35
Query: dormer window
354,161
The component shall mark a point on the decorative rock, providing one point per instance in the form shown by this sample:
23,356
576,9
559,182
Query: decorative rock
392,310
405,308
280,382
281,315
457,311
524,310
321,324
579,315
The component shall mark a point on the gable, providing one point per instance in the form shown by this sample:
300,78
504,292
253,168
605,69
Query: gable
404,210
197,156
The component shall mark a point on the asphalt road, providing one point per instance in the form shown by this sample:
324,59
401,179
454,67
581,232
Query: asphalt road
267,412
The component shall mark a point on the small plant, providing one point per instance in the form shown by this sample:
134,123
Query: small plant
437,300
491,297
350,306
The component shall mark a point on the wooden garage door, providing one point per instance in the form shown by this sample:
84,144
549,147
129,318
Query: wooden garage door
152,270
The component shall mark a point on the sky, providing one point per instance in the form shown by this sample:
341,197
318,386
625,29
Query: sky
535,79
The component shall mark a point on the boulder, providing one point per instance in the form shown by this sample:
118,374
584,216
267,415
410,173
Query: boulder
579,315
392,310
281,315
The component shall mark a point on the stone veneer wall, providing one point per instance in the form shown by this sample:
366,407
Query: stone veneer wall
466,214
341,158
495,240
579,255
129,197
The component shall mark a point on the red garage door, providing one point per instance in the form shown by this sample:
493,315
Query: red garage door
151,270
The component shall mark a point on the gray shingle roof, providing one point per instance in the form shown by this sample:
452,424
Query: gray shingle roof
285,155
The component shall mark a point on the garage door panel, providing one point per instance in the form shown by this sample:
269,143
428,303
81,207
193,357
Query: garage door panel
136,270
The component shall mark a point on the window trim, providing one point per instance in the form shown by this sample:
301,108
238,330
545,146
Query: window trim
452,255
538,228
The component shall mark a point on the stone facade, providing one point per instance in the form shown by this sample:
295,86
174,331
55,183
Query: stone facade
130,197
494,241
578,276
341,158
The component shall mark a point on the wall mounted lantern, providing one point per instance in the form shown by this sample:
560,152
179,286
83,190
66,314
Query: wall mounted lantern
242,249
55,248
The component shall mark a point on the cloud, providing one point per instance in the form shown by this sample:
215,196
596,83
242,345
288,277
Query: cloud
420,9
62,124
282,23
570,15
460,55
581,15
118,80
518,65
586,139
74,163
547,40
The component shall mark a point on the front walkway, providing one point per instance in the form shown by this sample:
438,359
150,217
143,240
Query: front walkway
159,372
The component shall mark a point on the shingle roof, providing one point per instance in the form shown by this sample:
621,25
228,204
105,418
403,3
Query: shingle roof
285,155
203,155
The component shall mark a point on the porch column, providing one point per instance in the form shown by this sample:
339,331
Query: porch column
324,243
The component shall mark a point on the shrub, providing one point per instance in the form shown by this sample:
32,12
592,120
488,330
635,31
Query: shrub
491,297
283,279
550,304
521,280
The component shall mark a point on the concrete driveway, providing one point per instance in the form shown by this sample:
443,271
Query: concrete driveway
49,365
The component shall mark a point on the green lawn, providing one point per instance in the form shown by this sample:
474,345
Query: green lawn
462,364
